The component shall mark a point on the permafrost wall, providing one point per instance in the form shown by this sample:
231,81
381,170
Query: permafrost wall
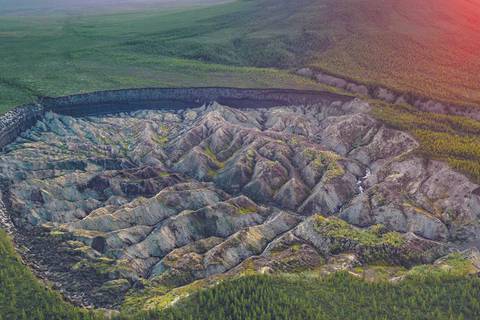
104,102
150,98
17,120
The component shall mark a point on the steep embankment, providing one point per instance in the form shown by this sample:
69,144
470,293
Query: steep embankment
391,96
103,102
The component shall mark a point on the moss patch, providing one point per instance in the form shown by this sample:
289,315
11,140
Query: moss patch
454,264
211,155
339,229
246,210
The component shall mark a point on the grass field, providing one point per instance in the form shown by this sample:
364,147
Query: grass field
57,55
428,48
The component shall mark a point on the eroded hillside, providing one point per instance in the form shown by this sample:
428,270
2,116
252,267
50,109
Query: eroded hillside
108,204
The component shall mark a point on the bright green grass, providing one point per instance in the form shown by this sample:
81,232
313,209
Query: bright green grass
58,55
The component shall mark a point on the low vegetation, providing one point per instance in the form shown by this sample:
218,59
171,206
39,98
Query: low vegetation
339,229
454,139
428,50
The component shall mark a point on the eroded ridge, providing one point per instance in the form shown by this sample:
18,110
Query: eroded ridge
176,196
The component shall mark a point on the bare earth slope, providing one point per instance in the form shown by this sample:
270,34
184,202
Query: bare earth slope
176,196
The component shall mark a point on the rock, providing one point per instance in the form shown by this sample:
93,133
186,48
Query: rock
344,133
291,194
357,88
329,195
385,94
99,244
36,196
331,80
305,72
98,183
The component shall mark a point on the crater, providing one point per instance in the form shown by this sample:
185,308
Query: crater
176,195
